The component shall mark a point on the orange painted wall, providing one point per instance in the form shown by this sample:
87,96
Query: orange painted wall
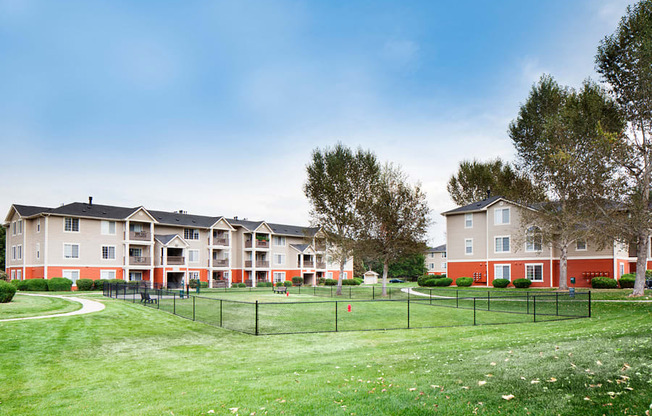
517,271
466,269
236,276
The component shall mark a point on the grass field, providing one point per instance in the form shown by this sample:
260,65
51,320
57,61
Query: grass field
24,306
129,359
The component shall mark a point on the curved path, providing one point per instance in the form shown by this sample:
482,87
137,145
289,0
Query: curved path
88,306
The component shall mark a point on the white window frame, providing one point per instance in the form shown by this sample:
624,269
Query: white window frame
622,269
13,274
71,245
135,273
532,233
502,244
105,227
72,222
19,251
38,250
108,252
191,234
278,256
500,216
443,265
74,281
443,255
468,218
502,268
431,266
19,227
329,275
13,252
38,225
190,256
581,240
107,274
19,274
194,275
345,276
279,277
279,241
466,246
534,265
13,228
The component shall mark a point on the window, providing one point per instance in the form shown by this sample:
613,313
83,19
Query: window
191,234
71,225
278,241
622,269
72,275
193,275
468,220
443,255
19,274
107,274
432,255
533,239
13,274
346,275
13,252
135,252
580,244
13,228
71,251
38,250
108,252
137,227
193,256
431,266
108,227
38,225
501,216
279,259
279,277
502,244
534,272
19,227
443,265
19,251
468,246
502,271
135,276
329,275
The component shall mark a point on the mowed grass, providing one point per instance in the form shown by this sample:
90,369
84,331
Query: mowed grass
129,359
23,306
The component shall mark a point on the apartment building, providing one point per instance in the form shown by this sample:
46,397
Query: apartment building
90,241
436,260
485,241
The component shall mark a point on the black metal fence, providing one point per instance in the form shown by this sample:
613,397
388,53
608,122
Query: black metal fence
357,310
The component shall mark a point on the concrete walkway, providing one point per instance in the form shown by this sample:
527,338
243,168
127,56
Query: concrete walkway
88,306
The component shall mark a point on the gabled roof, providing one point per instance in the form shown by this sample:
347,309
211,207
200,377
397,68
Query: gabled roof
80,209
248,225
475,206
438,249
29,210
166,239
301,248
293,230
186,220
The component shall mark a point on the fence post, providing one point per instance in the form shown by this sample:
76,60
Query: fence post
430,292
474,310
373,292
174,303
488,299
408,311
457,298
557,302
133,296
158,303
589,303
256,317
534,307
331,291
193,308
527,302
350,293
220,313
335,315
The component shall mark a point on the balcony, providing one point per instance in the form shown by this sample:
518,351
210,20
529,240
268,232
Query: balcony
259,244
259,263
220,241
140,261
221,263
308,264
140,235
176,260
321,265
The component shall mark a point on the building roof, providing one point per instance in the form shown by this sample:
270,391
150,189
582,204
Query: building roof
165,238
80,209
29,210
249,225
293,230
438,249
300,247
187,220
473,207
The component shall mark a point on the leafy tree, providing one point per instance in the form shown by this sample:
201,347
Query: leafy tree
624,60
3,242
565,144
339,187
473,180
411,266
397,219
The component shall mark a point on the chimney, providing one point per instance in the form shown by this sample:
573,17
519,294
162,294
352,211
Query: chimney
90,200
235,218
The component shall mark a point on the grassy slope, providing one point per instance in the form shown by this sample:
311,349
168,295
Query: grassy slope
130,359
24,306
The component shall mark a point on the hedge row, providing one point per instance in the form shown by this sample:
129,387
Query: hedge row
464,281
500,283
7,291
602,282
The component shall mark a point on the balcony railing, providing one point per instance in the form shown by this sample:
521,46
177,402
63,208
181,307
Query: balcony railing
259,263
259,244
321,265
220,241
308,263
320,247
221,262
140,260
175,260
140,235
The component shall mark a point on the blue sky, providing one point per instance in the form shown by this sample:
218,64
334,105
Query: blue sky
214,107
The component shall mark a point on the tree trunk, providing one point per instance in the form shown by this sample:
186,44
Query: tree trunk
339,281
641,262
563,267
385,270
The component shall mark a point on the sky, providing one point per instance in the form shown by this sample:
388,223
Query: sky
214,107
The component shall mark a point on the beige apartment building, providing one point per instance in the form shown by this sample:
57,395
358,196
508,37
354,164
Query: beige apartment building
436,260
90,241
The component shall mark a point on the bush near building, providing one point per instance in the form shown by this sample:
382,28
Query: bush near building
84,284
297,280
522,283
626,281
330,282
7,291
602,282
445,281
59,284
464,281
500,283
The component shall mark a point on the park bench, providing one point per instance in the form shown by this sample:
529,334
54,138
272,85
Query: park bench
145,298
280,289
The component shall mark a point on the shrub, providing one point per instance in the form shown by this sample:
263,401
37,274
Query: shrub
133,282
351,282
501,282
648,273
627,281
84,284
464,281
330,282
7,292
446,281
522,283
193,283
421,280
4,276
98,284
36,285
602,282
359,280
265,284
287,283
430,282
236,285
59,284
20,284
297,280
321,280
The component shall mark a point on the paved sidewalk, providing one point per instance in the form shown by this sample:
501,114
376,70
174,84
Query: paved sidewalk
88,306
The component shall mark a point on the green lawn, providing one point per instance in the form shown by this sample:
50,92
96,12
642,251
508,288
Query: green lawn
24,306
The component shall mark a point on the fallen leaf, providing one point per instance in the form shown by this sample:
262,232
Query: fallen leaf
552,380
233,409
598,362
508,396
534,381
481,383
492,363
211,411
465,387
